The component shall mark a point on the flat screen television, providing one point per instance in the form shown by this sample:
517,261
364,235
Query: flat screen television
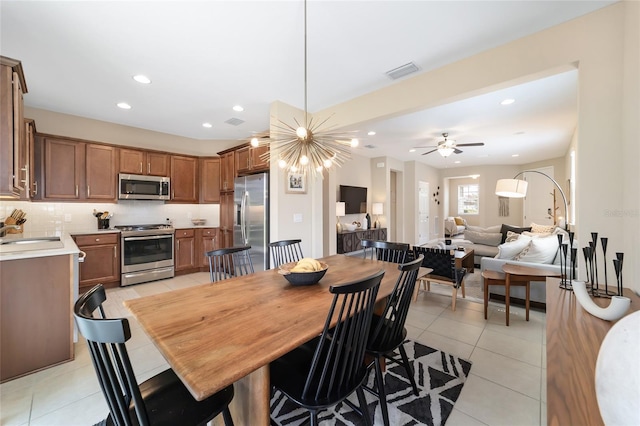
355,199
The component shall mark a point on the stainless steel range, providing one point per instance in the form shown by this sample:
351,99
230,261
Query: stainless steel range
147,253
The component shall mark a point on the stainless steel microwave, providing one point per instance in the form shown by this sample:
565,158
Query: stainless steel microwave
140,187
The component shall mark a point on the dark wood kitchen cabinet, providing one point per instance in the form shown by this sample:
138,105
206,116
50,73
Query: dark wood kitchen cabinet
73,170
62,169
138,162
184,179
13,141
100,172
102,261
248,160
185,251
227,171
209,180
209,240
227,211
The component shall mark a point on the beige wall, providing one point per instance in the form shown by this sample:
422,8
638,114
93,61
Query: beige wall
101,131
604,47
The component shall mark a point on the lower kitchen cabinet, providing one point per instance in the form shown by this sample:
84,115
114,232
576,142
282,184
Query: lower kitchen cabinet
102,260
185,251
36,325
210,240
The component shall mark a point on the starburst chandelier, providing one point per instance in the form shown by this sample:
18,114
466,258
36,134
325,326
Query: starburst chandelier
305,148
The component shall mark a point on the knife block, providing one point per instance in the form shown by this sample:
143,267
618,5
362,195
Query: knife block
12,221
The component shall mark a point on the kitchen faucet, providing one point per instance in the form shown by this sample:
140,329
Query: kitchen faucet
4,228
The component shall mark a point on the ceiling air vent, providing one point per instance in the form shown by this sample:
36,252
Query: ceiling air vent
234,121
370,146
401,71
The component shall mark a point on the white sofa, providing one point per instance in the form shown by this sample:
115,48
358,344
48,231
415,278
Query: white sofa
451,229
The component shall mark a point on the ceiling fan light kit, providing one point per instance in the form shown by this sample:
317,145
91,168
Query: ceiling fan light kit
447,147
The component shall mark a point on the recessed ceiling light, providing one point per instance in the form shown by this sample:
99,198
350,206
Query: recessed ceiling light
456,162
371,133
412,150
238,108
354,142
142,79
515,155
507,102
474,176
207,125
124,105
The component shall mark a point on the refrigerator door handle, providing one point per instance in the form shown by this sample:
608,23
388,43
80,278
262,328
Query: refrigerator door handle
243,217
246,220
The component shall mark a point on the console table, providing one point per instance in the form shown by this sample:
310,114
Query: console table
573,342
350,240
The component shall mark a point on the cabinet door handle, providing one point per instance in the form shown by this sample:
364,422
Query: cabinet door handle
76,190
148,168
97,240
88,191
25,169
35,183
115,254
141,167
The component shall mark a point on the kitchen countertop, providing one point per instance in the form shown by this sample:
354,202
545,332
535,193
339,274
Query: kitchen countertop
69,247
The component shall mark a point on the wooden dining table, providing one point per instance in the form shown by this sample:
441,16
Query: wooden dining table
228,332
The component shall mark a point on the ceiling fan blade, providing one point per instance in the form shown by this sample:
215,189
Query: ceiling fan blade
427,146
457,151
471,144
429,152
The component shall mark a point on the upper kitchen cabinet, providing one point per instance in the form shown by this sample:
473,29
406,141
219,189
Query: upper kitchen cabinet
75,171
139,162
100,173
248,159
210,180
63,164
228,171
184,179
13,149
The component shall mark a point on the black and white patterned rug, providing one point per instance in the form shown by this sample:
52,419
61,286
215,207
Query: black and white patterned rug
439,376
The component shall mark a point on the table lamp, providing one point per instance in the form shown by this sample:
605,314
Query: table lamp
377,210
339,213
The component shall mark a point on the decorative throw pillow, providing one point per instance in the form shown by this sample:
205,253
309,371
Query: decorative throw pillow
485,238
459,221
492,229
512,236
512,249
539,250
542,229
505,228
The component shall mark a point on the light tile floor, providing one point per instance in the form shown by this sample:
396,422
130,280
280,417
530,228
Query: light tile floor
506,386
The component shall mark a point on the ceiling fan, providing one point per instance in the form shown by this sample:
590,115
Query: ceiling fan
447,147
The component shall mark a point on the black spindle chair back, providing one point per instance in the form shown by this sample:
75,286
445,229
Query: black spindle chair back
285,251
385,250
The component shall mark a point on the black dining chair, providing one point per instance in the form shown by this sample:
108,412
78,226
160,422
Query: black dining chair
330,367
388,332
385,250
285,251
229,262
160,400
444,270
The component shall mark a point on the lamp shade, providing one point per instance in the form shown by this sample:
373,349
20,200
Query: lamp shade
376,208
340,208
512,188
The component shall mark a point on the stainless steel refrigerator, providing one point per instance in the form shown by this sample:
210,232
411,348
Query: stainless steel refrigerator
251,221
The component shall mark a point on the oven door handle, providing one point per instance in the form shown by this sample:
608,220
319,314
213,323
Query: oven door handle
150,237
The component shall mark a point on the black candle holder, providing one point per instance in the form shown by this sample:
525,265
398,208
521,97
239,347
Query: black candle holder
565,281
604,241
619,258
586,251
574,255
594,250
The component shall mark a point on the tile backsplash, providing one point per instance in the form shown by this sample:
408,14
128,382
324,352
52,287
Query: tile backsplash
59,218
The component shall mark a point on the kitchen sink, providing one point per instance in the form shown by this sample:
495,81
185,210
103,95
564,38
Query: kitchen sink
13,245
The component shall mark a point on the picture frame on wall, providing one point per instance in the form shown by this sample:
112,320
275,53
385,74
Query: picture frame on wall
296,183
